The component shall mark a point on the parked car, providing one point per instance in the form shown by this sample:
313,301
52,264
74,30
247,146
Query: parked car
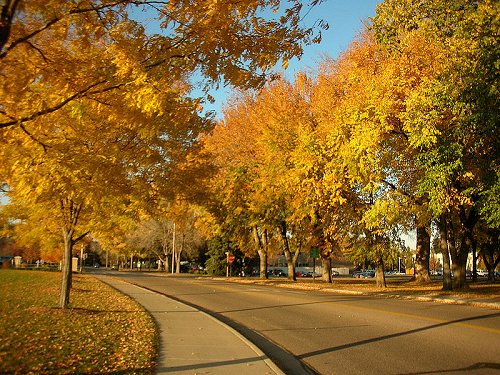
363,274
276,273
368,274
482,273
311,274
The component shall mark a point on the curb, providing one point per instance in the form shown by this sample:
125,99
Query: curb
416,297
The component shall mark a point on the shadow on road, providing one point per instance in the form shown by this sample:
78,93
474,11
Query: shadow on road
391,336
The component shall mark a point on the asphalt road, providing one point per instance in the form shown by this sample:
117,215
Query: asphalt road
344,334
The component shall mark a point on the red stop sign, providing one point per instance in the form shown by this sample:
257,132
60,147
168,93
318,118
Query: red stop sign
231,258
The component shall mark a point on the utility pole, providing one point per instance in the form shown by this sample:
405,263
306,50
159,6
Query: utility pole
81,259
173,250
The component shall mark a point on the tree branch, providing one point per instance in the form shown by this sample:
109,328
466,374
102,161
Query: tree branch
80,237
54,108
33,138
6,17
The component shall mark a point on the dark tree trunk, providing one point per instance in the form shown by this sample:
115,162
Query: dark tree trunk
451,250
263,264
443,245
66,270
490,251
380,275
71,212
468,219
422,254
459,279
290,259
474,261
459,261
491,264
261,242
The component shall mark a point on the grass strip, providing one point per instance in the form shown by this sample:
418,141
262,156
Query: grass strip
103,331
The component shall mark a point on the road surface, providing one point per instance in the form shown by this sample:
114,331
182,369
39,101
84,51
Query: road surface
344,334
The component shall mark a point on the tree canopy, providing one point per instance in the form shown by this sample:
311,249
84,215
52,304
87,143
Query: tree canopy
399,132
97,116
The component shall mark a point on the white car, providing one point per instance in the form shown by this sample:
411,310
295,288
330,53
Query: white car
483,273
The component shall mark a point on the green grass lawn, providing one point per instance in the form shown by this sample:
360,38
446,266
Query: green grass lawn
103,331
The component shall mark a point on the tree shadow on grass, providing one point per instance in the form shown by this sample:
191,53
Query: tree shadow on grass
86,311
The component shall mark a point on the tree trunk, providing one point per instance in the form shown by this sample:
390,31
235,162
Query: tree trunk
443,245
290,260
468,219
474,261
459,261
422,255
490,251
261,242
178,258
327,266
263,264
459,279
380,275
67,270
290,268
490,262
318,240
71,212
166,259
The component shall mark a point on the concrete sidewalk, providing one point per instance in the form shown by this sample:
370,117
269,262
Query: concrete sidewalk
193,342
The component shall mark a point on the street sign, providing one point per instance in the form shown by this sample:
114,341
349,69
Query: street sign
230,258
314,253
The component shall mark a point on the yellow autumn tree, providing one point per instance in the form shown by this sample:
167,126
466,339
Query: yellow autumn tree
54,53
234,152
95,112
357,113
271,168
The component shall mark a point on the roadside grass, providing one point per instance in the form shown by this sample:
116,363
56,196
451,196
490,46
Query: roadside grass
103,331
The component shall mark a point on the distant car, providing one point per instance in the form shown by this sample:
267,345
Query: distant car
335,273
367,275
276,273
363,274
311,274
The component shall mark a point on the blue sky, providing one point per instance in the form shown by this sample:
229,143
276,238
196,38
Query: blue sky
345,17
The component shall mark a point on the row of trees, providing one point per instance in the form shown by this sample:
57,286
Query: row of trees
100,132
399,133
97,116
